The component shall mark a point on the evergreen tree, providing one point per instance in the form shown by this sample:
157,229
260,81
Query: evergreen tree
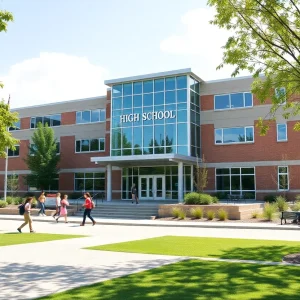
42,158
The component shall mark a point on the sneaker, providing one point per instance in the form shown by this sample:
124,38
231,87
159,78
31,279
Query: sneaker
81,224
32,231
56,220
53,216
44,215
94,223
19,230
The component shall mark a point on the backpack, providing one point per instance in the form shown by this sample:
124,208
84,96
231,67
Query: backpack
21,209
93,204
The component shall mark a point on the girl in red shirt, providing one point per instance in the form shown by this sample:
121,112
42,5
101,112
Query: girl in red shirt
88,208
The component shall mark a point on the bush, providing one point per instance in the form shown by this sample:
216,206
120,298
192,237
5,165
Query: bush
222,214
297,198
210,214
269,211
18,200
281,203
3,203
34,203
296,206
9,200
192,198
182,214
255,214
197,213
176,212
215,199
270,198
205,199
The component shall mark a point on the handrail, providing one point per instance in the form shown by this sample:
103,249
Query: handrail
102,198
77,202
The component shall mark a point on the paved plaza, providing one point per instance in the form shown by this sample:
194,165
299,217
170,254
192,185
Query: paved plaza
33,270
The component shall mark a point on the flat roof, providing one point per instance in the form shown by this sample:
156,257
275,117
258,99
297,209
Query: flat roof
188,71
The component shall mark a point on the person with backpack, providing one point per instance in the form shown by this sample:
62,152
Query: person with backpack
134,194
25,210
88,205
63,209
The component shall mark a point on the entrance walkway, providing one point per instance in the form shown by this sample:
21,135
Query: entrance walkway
33,270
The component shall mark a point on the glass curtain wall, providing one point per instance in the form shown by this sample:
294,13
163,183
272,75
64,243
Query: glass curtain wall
195,116
150,117
131,175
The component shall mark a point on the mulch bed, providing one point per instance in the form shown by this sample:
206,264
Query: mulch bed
292,258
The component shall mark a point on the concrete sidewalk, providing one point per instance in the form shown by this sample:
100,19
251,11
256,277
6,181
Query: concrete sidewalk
161,223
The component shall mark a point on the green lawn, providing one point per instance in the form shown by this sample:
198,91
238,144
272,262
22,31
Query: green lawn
208,247
195,280
8,239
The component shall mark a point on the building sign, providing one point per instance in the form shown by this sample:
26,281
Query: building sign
154,115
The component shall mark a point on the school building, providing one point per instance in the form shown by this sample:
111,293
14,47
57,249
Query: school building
151,130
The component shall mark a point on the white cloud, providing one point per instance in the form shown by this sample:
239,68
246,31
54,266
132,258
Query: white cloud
52,77
201,41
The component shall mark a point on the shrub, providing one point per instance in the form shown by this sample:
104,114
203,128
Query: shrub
296,206
222,214
34,203
10,200
182,214
255,214
210,214
18,200
270,198
3,203
281,203
297,198
205,199
192,198
215,199
176,212
269,211
197,213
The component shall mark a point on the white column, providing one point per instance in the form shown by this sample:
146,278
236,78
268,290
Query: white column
180,182
108,183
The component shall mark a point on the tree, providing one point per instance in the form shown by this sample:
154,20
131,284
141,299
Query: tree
13,184
7,118
201,175
42,159
265,40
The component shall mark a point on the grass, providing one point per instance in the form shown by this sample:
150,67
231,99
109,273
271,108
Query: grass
8,239
196,280
263,250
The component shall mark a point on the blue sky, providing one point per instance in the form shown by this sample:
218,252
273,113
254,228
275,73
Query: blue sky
59,50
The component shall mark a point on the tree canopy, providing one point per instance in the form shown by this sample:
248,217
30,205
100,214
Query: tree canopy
265,41
42,158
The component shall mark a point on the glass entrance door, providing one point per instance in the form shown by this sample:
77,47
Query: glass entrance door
152,187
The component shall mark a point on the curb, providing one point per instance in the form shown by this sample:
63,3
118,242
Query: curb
157,224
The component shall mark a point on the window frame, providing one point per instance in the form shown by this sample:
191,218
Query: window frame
17,126
277,132
84,178
245,129
13,152
100,111
283,174
34,123
230,105
80,145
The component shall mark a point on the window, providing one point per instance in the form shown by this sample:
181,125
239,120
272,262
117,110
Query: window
232,101
13,182
89,181
15,152
51,120
90,116
280,94
17,126
238,181
283,178
54,187
92,145
281,132
234,135
33,148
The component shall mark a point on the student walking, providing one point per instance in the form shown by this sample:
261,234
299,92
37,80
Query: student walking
42,200
88,204
134,194
27,217
63,209
58,205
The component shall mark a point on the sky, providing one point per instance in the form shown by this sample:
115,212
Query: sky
59,50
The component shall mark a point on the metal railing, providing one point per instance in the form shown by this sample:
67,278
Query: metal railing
102,196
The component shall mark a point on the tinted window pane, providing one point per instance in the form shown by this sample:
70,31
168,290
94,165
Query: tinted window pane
102,115
159,98
148,86
116,138
117,103
159,85
148,99
249,134
170,97
181,82
159,135
182,134
248,100
223,183
94,145
47,121
233,135
235,183
39,120
127,89
218,136
127,138
281,132
102,145
95,115
247,170
222,171
137,87
78,146
148,136
137,101
32,123
197,87
55,120
170,83
85,145
282,169
182,116
192,83
170,134
182,106
183,150
235,171
182,96
137,137
117,90
148,115
127,102
86,116
222,102
248,182
237,100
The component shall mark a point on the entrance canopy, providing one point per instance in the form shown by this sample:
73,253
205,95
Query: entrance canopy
144,160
